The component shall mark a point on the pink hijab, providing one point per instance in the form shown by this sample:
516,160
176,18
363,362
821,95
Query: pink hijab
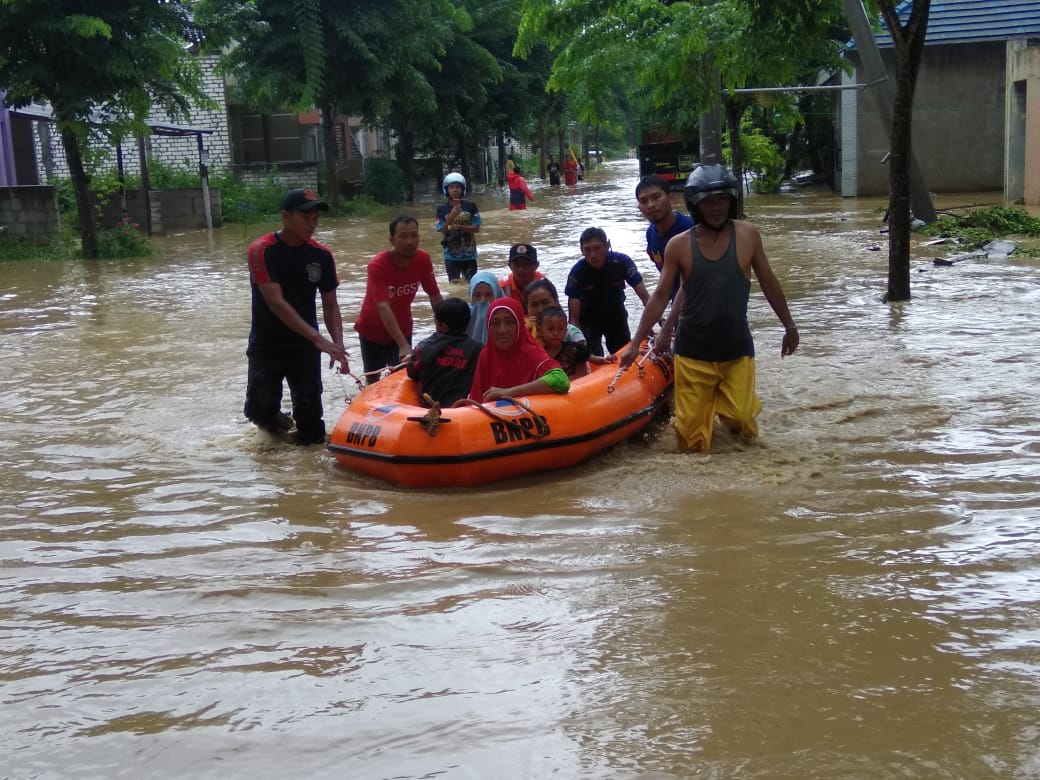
524,361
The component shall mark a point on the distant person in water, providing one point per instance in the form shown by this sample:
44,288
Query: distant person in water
554,172
286,269
458,222
519,192
570,169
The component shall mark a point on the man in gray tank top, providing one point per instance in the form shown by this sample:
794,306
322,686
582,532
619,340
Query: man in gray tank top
714,351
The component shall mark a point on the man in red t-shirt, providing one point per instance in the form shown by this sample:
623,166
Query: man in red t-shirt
384,325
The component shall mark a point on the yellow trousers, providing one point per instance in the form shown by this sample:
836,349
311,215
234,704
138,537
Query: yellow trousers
703,390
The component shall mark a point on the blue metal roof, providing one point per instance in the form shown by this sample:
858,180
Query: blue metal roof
974,21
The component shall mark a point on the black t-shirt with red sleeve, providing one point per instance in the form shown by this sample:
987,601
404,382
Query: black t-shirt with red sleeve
301,271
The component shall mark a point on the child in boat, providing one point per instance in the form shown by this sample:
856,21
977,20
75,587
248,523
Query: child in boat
483,289
444,363
512,363
540,294
572,357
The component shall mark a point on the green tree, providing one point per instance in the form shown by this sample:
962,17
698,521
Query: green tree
344,56
688,57
102,65
449,123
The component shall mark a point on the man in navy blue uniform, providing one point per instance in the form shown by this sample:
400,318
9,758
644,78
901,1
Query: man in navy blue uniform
665,222
286,269
596,292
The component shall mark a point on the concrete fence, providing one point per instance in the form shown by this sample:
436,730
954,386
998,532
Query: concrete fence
29,212
173,211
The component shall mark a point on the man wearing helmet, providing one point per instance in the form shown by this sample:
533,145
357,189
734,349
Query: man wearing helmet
458,221
714,351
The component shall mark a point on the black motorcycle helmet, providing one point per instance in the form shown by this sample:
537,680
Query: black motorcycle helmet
705,180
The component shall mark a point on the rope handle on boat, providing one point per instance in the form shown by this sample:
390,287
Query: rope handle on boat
639,366
347,397
388,369
541,428
347,393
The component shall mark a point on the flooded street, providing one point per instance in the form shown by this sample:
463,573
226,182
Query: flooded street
857,597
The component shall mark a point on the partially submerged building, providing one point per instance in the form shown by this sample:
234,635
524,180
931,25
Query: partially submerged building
976,124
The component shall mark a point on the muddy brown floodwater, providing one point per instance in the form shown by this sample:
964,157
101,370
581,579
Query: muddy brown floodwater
857,597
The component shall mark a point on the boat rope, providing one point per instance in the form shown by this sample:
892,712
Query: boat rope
541,428
388,369
639,366
432,420
348,394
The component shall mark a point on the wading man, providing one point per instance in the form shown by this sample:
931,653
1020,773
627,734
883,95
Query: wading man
286,269
714,351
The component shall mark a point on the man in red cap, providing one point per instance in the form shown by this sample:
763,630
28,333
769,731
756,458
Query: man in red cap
286,269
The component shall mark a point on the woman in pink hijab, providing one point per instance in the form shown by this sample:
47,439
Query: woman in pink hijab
512,363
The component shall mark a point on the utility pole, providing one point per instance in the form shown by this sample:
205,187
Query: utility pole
711,129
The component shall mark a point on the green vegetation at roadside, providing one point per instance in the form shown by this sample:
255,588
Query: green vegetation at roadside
978,228
247,202
63,247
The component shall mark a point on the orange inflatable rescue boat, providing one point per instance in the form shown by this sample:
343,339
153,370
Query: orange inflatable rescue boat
386,433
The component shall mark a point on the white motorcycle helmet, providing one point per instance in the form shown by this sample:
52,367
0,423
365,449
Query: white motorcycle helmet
453,178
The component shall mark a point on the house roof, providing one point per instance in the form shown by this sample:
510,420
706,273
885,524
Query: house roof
974,21
46,114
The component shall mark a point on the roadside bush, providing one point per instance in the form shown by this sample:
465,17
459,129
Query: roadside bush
358,206
124,240
762,156
163,176
242,202
62,247
383,181
977,228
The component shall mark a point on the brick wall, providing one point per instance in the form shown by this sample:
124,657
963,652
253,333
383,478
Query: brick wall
178,152
289,175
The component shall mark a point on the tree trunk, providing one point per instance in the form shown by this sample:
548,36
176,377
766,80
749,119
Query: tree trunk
734,113
81,184
328,138
909,46
543,141
501,159
899,192
462,151
406,160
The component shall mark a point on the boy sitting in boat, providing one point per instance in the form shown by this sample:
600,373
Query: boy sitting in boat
572,356
444,363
